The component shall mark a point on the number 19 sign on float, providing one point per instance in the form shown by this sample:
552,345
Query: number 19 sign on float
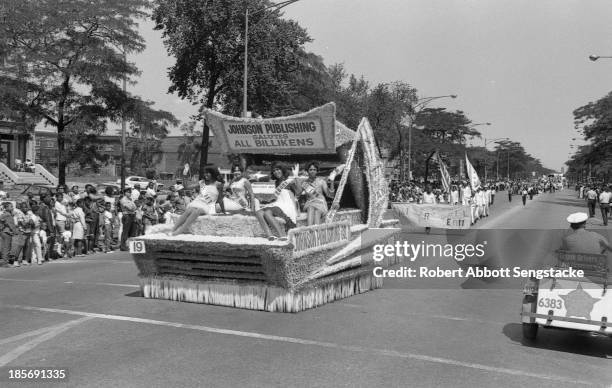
137,246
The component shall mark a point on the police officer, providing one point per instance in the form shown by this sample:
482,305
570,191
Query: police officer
581,240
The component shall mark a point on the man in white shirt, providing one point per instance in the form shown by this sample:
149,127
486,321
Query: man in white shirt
135,192
591,197
151,189
60,213
466,194
604,204
429,197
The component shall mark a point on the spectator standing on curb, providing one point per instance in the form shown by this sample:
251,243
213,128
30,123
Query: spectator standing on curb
20,240
128,208
47,217
108,228
60,213
79,228
35,251
604,204
7,230
591,197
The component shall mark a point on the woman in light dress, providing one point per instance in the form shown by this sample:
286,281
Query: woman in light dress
79,227
454,195
242,197
204,203
316,190
284,206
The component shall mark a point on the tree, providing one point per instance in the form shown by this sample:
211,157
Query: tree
189,150
594,120
148,127
207,41
350,95
63,62
387,105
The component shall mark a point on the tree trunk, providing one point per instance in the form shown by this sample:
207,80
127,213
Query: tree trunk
61,162
204,150
427,166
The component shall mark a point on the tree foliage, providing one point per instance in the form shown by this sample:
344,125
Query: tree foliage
63,62
594,122
207,40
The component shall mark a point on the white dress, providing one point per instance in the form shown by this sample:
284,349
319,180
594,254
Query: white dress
206,199
238,201
286,203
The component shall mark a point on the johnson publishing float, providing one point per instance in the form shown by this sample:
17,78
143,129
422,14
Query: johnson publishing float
229,260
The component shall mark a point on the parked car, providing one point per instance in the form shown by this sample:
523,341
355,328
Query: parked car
130,181
36,190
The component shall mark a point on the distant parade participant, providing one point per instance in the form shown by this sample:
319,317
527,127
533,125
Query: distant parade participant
604,204
454,195
428,196
492,194
509,193
466,194
591,197
524,193
583,241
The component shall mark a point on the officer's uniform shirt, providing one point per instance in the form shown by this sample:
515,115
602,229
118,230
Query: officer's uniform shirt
583,241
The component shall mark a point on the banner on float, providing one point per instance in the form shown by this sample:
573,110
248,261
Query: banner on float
435,216
312,132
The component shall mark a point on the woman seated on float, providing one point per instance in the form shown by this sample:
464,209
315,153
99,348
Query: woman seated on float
241,196
204,203
283,207
316,189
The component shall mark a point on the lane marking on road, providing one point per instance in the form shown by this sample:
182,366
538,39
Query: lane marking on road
323,344
77,283
435,316
20,350
28,334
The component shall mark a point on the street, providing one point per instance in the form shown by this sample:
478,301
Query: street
86,315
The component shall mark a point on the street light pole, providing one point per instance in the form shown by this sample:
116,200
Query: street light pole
408,121
123,130
276,7
246,65
485,146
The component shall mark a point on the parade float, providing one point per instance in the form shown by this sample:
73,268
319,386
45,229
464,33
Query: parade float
226,259
440,215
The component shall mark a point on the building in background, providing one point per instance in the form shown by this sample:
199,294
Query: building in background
176,150
15,144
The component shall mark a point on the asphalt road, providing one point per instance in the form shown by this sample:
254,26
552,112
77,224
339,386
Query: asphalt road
86,315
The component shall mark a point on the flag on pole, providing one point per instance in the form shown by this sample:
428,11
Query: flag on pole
471,173
445,176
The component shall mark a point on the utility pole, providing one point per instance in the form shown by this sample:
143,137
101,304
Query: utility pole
123,130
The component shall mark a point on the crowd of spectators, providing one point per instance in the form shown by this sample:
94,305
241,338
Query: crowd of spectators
78,222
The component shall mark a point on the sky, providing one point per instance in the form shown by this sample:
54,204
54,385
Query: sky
521,65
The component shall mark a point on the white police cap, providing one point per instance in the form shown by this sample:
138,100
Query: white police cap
576,218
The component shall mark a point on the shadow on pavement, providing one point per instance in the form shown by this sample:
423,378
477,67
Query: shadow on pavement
565,202
135,294
567,341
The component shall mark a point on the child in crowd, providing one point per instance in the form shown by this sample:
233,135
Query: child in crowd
67,249
108,228
138,218
42,234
